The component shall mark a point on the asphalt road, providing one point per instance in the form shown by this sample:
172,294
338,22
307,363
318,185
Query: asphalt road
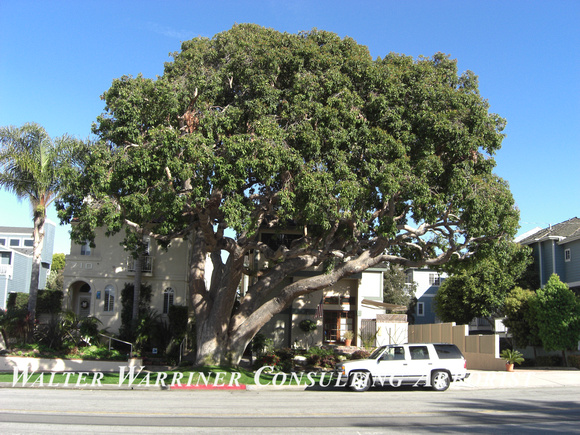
409,410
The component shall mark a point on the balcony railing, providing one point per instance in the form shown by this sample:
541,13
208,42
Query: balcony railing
146,266
5,269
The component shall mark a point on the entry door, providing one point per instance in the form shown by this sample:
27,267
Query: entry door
84,305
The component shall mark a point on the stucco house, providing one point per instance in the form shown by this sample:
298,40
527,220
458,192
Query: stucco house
556,249
94,278
16,259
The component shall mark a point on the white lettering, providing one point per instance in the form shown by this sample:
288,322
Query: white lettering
234,378
97,376
276,378
131,376
25,376
161,376
218,377
81,375
259,373
177,376
41,379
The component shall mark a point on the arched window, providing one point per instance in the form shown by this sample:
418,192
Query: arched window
168,294
109,298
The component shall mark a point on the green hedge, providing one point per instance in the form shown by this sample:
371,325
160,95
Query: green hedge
48,301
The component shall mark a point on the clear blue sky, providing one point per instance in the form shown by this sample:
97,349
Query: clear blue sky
57,57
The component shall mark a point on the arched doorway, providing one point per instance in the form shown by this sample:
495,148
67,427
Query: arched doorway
81,298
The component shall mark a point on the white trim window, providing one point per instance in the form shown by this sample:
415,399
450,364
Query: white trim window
567,254
421,309
168,297
434,279
109,300
86,249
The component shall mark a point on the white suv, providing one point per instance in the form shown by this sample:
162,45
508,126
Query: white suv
430,364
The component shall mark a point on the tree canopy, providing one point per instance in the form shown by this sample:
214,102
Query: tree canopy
480,284
366,160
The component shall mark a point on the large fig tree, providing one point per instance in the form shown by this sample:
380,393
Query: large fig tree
371,160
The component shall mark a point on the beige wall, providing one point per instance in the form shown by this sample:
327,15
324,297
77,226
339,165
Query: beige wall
108,265
480,351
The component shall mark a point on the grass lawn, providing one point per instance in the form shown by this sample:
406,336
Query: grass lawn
202,376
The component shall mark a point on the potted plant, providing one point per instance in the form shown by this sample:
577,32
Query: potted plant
511,357
348,336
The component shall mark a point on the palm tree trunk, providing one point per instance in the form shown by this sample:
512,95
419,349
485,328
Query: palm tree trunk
38,242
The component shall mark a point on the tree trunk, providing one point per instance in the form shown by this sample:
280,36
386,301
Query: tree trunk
38,242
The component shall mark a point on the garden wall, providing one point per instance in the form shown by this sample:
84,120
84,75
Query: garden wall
480,351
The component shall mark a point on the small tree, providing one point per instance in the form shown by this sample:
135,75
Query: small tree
395,289
520,319
479,285
557,311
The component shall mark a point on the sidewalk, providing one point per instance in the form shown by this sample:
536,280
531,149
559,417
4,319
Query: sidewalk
528,378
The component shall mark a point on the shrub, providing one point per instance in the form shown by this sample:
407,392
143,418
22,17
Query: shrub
321,357
574,361
548,361
308,326
49,302
360,354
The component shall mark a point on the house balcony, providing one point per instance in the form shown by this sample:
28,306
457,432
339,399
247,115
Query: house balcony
6,270
146,267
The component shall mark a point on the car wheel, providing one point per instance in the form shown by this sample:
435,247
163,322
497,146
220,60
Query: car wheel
359,381
440,380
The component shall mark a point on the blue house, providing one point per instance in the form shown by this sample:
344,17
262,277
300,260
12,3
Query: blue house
556,249
427,284
16,259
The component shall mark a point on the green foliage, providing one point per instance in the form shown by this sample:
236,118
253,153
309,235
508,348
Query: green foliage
17,301
557,311
58,262
360,354
308,326
574,361
49,302
512,356
321,357
395,289
178,320
254,128
125,331
480,284
520,319
16,323
55,280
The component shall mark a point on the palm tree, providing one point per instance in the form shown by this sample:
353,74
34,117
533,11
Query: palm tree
31,166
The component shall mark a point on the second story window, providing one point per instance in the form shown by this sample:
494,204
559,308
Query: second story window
567,255
86,249
434,279
15,242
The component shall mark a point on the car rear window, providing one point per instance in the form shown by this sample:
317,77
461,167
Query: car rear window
448,351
